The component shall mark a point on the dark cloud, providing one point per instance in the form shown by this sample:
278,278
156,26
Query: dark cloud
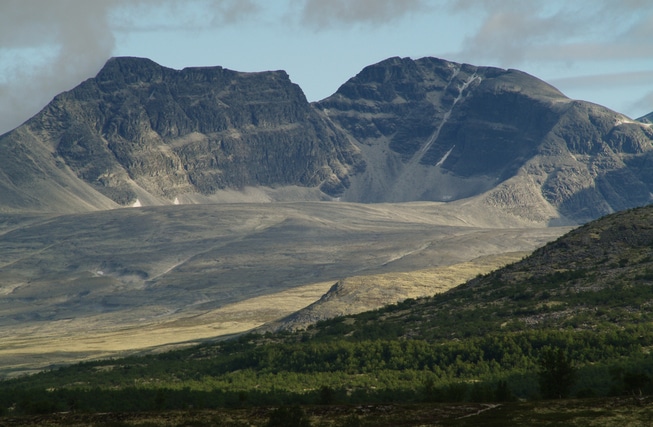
321,14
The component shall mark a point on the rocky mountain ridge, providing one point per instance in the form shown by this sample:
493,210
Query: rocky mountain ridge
401,130
139,133
647,118
503,134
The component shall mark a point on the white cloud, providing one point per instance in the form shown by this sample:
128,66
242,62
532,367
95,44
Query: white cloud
57,44
72,35
48,46
514,31
631,78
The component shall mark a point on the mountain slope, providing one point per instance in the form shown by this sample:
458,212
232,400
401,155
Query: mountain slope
579,306
401,130
647,118
139,131
33,179
357,294
574,281
597,277
430,129
99,279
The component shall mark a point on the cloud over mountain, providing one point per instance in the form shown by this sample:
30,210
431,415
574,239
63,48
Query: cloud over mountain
48,47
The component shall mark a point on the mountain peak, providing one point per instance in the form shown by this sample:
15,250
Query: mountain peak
128,68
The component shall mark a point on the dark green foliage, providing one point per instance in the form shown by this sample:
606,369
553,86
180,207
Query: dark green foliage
635,381
327,395
557,374
351,421
631,380
502,392
233,374
35,404
430,391
288,417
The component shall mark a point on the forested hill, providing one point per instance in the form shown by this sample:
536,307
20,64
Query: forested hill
578,311
596,277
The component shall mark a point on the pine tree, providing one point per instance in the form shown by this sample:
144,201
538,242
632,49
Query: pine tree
557,374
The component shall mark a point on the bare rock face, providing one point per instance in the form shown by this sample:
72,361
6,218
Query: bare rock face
139,129
434,130
401,130
449,130
646,119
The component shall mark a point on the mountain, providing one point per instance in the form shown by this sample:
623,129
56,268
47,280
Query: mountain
143,134
606,263
401,130
646,119
360,293
485,162
595,278
430,129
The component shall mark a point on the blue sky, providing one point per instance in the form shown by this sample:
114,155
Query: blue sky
596,50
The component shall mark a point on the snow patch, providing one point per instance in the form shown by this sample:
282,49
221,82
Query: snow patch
622,120
625,120
445,156
434,136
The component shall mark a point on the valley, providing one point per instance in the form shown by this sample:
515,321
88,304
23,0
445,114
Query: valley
137,279
431,233
561,336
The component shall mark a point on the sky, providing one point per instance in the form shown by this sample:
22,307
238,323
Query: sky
595,50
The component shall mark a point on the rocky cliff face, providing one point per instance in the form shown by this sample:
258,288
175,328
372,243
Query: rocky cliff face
446,130
436,130
139,130
401,130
